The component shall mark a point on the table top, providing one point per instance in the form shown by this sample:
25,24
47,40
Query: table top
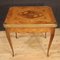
30,16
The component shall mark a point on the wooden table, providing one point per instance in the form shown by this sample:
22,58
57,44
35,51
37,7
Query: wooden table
30,19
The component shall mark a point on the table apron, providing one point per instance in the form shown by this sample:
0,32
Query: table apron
29,30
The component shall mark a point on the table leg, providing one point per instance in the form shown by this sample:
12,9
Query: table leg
51,39
9,40
45,34
16,35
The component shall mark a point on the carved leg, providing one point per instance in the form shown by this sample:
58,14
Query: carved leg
51,39
9,40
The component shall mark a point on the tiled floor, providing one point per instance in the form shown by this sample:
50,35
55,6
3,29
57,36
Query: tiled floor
29,49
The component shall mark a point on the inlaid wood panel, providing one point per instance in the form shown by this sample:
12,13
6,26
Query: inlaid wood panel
30,15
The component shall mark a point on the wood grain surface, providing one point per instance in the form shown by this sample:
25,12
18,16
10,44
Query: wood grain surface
30,15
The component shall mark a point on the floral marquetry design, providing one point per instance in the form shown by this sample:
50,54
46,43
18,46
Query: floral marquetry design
30,14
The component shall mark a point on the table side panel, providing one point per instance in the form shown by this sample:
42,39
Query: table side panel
29,30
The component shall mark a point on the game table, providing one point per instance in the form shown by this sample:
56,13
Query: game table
30,19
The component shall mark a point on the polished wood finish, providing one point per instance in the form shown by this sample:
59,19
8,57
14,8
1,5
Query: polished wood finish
30,15
30,19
